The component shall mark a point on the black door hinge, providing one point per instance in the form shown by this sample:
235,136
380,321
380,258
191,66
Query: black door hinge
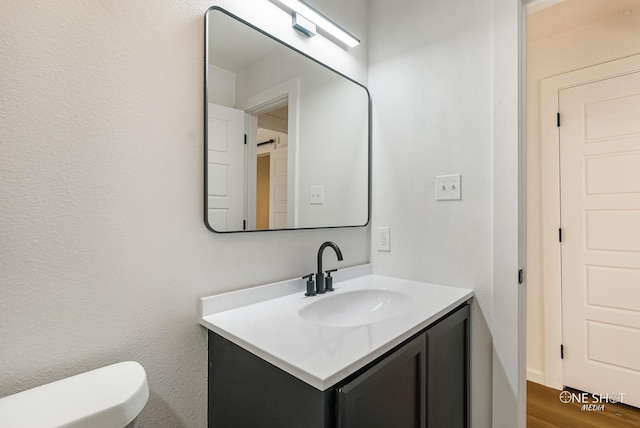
521,276
560,234
562,352
244,224
245,138
558,119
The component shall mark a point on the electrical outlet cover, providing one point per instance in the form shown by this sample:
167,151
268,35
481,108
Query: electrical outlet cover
316,196
448,187
384,239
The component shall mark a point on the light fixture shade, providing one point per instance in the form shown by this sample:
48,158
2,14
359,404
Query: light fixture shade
321,21
303,25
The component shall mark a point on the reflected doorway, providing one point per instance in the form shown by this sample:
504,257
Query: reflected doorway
262,191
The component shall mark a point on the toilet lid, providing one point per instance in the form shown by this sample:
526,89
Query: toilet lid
107,397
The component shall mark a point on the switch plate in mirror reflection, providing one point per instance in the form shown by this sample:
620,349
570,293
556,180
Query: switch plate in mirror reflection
278,123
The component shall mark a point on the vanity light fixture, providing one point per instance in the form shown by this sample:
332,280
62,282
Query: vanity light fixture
303,25
305,19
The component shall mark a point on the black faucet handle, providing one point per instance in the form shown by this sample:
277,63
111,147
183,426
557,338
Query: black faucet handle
311,288
328,280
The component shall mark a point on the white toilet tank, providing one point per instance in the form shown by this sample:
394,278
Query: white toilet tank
108,397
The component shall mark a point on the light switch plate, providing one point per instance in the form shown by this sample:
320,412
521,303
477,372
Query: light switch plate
316,197
384,239
448,187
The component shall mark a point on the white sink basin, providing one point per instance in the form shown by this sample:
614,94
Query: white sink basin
323,339
356,308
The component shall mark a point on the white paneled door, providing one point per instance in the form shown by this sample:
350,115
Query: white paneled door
600,217
225,168
278,192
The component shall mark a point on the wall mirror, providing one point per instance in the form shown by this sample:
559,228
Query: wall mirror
287,139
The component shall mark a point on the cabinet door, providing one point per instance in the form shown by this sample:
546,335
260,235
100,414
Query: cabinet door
245,391
448,371
389,395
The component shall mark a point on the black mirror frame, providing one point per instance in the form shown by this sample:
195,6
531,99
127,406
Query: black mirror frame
206,115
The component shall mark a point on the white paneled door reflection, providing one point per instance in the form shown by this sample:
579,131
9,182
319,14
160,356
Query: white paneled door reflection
226,168
279,194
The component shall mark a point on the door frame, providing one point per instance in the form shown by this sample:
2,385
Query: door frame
286,93
550,191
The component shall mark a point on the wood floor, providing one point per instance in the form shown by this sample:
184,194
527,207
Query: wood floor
545,410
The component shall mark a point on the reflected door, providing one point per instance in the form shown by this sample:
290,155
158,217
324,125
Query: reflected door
278,183
600,215
225,168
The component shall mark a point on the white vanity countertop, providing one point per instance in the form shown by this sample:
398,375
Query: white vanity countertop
320,355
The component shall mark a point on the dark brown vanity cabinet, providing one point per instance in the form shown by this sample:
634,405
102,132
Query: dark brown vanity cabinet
422,383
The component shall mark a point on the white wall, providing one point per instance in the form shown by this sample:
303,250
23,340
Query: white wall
224,92
344,178
431,82
603,41
104,252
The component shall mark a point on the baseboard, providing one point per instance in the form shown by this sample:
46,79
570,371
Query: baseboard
535,376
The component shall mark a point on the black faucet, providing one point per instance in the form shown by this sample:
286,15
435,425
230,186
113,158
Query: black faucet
320,285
